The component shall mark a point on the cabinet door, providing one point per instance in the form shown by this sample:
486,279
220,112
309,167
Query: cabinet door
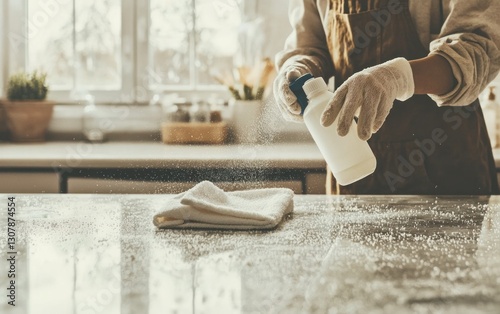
316,183
29,182
90,186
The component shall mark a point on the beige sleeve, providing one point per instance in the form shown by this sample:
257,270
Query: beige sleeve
306,45
470,41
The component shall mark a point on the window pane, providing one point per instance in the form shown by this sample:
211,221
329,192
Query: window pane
92,60
217,24
169,35
50,44
98,44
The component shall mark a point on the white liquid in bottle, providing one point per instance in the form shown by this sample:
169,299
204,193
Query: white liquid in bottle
350,158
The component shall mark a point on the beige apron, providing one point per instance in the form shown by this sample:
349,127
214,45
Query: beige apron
421,148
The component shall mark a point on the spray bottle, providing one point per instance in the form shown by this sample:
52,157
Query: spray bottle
349,157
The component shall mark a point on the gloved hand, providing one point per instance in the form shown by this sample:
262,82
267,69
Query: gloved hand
285,98
373,92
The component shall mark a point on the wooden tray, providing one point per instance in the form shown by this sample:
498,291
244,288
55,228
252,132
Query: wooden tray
193,133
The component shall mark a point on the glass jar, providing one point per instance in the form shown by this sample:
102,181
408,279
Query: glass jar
200,112
216,109
177,111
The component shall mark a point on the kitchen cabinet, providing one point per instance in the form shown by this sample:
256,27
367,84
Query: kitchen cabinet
29,182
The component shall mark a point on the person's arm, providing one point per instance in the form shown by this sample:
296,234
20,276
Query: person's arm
461,64
306,51
306,45
433,75
470,44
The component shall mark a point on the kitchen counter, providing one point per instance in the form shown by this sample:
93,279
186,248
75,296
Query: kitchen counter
101,254
154,154
152,167
149,167
158,155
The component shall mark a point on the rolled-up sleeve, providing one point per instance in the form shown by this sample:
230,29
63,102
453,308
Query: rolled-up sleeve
306,45
470,41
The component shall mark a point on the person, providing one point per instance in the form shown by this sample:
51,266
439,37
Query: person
416,106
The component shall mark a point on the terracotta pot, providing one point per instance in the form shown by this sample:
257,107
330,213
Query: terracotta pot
3,125
28,121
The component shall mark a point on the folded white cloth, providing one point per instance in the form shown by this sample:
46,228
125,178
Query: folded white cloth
207,206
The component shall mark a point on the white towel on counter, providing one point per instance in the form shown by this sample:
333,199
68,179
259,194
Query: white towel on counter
207,206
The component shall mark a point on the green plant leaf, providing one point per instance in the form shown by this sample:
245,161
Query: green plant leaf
27,86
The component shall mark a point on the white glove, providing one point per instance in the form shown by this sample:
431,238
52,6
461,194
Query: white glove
285,98
373,92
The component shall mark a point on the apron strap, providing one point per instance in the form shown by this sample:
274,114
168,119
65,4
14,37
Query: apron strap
441,12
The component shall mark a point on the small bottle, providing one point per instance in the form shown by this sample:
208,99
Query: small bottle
490,117
349,157
199,112
216,109
177,111
93,122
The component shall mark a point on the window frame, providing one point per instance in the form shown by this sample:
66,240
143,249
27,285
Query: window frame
134,54
3,46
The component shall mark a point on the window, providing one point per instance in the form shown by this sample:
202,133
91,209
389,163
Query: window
3,60
124,50
80,46
189,37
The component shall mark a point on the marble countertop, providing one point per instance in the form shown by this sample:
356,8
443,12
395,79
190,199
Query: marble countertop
101,254
304,155
153,154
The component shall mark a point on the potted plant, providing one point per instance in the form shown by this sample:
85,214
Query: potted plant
3,125
27,112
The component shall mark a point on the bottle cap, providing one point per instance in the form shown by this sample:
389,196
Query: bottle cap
314,86
296,88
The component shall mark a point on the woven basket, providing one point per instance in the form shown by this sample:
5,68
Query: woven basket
194,133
